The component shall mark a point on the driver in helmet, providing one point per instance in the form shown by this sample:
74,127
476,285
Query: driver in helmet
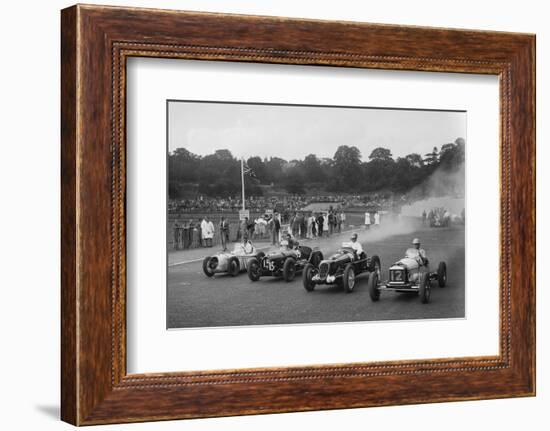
356,245
417,252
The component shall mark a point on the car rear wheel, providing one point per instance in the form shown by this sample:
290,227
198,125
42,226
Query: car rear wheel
234,267
207,267
425,288
442,274
289,269
349,278
374,293
254,269
307,276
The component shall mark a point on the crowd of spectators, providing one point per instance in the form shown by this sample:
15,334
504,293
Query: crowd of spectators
287,203
203,232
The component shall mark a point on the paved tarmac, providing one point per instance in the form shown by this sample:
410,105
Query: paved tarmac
195,300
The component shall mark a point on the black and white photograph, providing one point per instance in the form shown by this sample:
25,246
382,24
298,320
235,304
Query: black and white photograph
292,214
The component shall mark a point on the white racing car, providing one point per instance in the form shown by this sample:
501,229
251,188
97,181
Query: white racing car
233,262
409,275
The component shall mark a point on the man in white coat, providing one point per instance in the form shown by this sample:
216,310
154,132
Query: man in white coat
367,220
207,229
376,219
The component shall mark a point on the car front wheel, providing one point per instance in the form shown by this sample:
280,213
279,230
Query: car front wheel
289,269
307,276
349,278
254,269
207,267
374,293
375,265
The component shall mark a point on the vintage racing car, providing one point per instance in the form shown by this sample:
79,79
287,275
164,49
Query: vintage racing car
285,262
232,262
409,275
341,268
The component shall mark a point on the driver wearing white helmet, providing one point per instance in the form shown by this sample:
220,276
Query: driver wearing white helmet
356,245
420,253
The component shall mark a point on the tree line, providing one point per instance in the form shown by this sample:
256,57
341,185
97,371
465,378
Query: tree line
219,174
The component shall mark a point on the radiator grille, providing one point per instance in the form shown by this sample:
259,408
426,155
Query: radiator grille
323,269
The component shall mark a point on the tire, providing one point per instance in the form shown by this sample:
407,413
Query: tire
209,272
307,276
234,267
372,286
375,265
316,258
425,288
254,269
289,269
348,278
442,274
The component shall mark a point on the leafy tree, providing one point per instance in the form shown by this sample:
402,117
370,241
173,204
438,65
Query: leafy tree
219,174
347,161
380,154
432,158
313,171
415,160
274,170
258,167
294,181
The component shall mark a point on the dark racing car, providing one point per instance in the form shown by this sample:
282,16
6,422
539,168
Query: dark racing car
285,262
341,269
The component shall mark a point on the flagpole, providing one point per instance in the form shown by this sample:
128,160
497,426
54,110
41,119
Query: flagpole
242,179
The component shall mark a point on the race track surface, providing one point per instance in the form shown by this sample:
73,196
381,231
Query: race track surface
195,300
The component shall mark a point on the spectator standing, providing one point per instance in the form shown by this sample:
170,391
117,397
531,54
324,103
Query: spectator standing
343,219
224,233
196,234
250,225
187,235
330,222
326,231
295,225
376,219
310,221
176,236
207,229
303,225
261,225
424,218
276,228
320,221
243,229
367,220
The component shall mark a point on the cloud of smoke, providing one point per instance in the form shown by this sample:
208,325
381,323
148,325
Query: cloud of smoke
441,189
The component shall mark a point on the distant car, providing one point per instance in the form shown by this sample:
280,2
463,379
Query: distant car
231,263
285,262
410,275
341,268
440,218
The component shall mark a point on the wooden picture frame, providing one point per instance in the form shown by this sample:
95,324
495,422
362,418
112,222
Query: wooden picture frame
95,43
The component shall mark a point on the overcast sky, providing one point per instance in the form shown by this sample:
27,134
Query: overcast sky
293,132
